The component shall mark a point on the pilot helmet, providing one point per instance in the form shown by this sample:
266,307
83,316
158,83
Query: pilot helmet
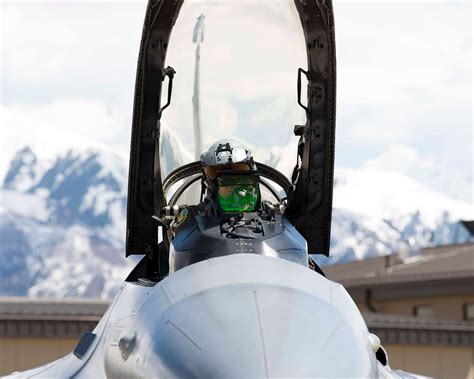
231,176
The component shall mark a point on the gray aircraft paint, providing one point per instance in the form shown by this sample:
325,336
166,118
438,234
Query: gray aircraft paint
237,316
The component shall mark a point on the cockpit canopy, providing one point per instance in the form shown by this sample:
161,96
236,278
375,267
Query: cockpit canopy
236,64
212,69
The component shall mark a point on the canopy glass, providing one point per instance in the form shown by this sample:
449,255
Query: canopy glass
236,68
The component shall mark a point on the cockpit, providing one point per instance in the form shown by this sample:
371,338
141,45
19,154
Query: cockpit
232,216
205,74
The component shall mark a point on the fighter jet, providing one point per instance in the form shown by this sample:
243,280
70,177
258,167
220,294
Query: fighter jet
226,287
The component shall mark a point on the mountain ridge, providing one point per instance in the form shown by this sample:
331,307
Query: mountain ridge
62,221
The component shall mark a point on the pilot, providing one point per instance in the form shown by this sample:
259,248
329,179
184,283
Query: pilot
231,186
230,183
231,179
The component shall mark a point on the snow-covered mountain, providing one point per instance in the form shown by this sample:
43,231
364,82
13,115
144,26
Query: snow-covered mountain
378,212
62,219
62,225
62,222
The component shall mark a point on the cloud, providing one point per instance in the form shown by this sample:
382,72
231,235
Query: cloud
56,127
403,159
404,76
57,50
435,172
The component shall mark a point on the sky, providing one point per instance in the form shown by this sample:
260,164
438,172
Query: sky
404,89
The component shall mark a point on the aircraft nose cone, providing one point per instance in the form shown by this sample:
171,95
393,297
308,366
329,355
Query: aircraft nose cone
260,330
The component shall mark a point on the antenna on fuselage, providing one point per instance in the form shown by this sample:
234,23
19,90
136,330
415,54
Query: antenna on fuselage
198,37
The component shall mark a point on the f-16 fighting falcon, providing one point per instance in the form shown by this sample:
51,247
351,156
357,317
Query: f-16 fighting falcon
226,287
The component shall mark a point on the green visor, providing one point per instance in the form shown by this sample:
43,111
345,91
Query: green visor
238,193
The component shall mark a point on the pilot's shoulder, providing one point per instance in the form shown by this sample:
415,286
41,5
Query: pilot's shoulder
185,215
